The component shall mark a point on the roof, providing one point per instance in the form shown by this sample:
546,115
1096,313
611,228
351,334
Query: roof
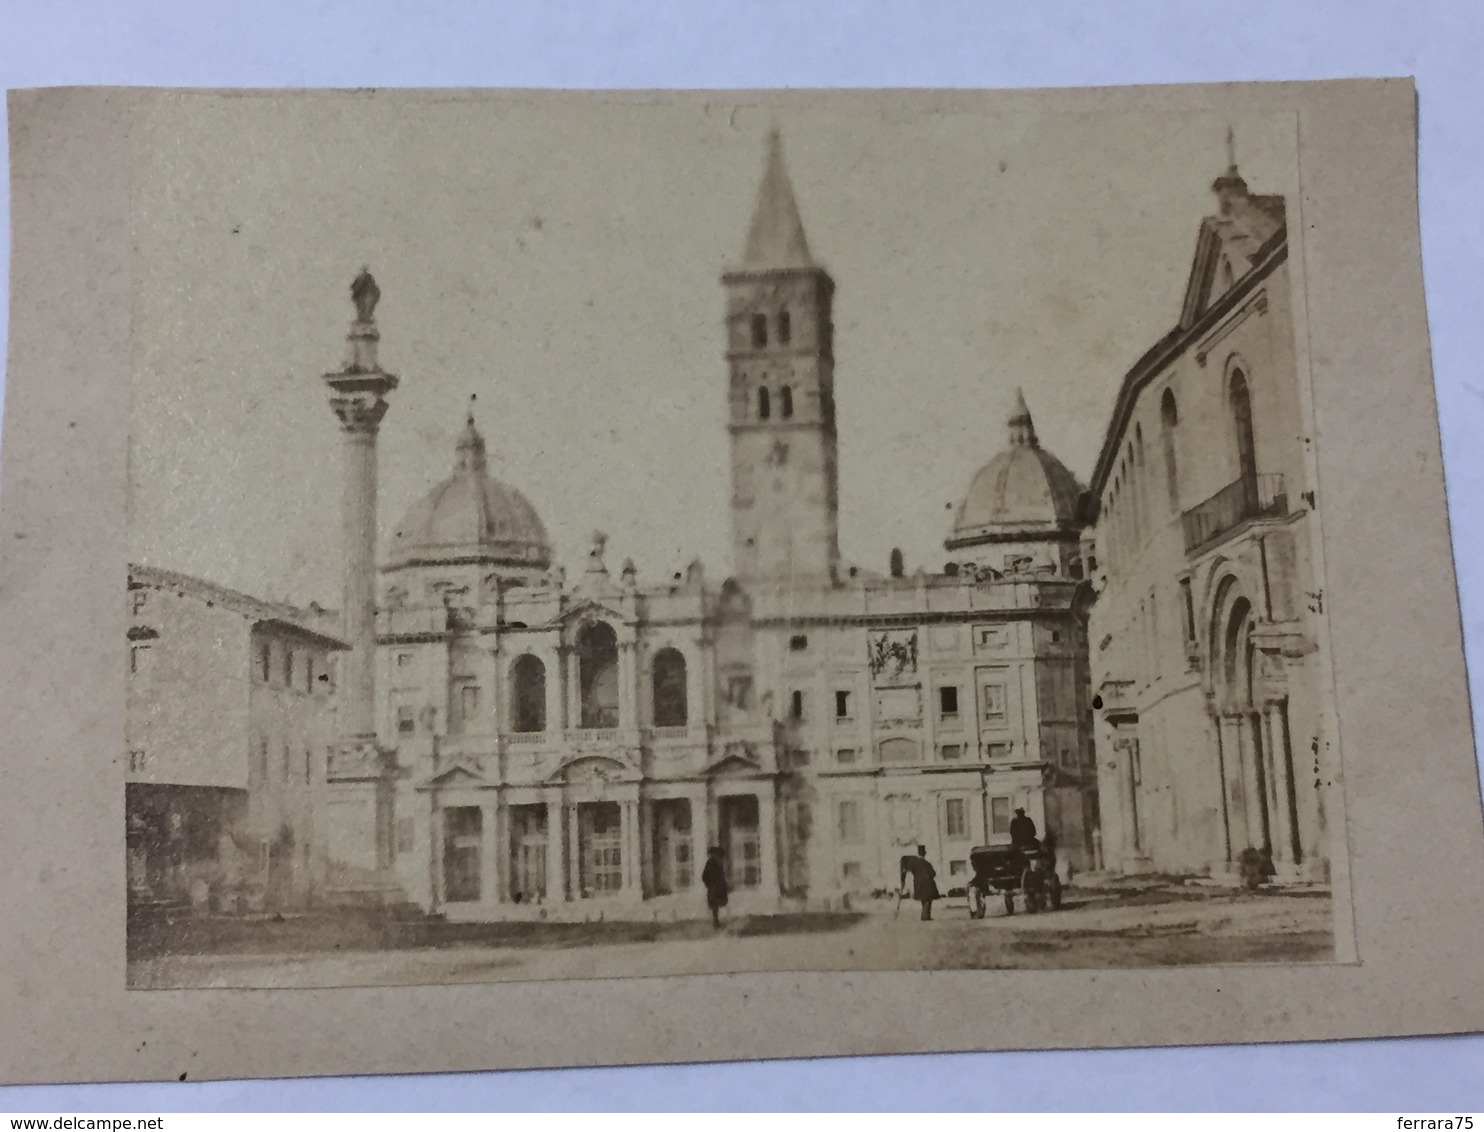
775,238
470,516
1250,233
281,615
1023,493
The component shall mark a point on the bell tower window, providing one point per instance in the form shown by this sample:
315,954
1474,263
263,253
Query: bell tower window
764,404
759,331
785,328
786,402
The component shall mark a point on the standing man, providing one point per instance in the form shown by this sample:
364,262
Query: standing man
714,877
924,880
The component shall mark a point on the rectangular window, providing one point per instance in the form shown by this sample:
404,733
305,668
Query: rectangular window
406,724
308,766
797,759
845,756
287,757
951,751
999,815
993,698
469,702
260,760
948,702
956,818
958,868
288,668
136,761
842,705
404,660
265,663
798,643
739,692
852,832
308,672
1000,750
851,870
796,706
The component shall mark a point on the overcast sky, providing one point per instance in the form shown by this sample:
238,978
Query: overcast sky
561,260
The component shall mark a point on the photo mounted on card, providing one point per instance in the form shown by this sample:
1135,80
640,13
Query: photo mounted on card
573,547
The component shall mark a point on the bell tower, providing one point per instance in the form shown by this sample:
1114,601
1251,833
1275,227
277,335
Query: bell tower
780,358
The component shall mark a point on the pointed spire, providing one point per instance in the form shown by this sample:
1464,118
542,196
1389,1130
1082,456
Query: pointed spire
1229,187
1022,430
776,235
471,451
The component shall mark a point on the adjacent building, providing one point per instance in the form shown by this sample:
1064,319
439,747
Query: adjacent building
1211,693
229,717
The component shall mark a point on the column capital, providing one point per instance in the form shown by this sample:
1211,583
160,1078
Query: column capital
359,414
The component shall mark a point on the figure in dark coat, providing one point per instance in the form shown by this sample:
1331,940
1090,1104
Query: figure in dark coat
924,880
1022,831
714,877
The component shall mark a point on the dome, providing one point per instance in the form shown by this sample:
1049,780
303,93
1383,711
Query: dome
1024,492
471,516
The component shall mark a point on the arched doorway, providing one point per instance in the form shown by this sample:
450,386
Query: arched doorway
597,665
1247,767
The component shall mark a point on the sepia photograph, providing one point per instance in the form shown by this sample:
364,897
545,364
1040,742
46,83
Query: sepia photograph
584,539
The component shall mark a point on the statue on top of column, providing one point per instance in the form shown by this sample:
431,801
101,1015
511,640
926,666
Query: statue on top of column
365,294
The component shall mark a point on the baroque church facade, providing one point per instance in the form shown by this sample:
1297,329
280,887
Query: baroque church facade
520,740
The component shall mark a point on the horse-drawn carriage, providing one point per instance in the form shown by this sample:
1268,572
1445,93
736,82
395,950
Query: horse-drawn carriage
1009,869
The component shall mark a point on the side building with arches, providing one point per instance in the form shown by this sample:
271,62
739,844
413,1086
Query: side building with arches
1210,679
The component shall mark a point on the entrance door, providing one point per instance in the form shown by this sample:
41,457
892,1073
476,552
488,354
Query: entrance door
740,840
528,853
600,847
462,837
672,845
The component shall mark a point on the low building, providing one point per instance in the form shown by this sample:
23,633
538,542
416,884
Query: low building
1207,636
230,712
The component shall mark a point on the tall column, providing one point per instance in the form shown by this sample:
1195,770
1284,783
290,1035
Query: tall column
359,772
631,882
489,855
1278,781
767,820
700,824
628,687
1238,802
556,841
1213,723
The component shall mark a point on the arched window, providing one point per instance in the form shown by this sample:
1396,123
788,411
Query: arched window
528,694
1241,407
670,709
1169,417
786,402
759,331
764,404
785,328
1141,483
597,665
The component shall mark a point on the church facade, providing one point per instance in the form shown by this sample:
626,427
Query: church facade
1212,690
554,743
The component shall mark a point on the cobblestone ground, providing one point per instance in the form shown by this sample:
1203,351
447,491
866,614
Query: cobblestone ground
1136,924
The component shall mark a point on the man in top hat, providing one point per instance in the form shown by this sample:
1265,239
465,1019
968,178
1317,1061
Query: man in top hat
1022,831
924,880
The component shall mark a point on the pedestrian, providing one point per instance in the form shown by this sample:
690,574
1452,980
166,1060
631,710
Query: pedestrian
1022,831
714,877
924,880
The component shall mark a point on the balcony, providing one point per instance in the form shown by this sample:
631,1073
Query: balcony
1260,497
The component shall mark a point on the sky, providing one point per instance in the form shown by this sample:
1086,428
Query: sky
560,259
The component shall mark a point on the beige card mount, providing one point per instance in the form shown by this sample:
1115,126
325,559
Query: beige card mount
619,578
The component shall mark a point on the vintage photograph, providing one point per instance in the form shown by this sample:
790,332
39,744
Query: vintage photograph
583,538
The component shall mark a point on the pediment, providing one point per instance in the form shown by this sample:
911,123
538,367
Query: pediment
587,609
736,759
465,772
1209,252
593,770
